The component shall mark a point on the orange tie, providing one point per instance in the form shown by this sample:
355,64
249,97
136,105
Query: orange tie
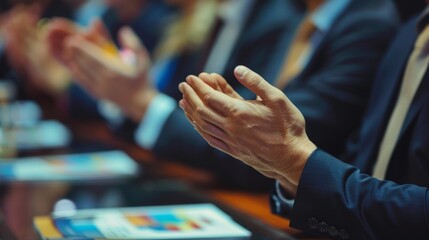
298,51
294,59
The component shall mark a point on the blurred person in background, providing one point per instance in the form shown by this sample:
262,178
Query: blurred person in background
346,42
36,72
185,32
149,19
26,59
4,6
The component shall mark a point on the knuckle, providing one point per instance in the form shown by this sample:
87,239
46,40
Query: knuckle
279,98
232,112
238,115
237,111
207,98
225,110
254,80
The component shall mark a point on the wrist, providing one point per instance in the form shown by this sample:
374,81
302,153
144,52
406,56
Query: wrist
139,104
296,158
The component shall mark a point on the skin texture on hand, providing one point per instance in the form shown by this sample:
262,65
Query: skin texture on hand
267,133
97,65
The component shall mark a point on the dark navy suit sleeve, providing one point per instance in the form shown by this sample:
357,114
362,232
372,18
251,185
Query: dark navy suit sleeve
336,200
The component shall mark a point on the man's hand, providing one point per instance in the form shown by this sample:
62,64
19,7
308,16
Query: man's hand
28,52
99,67
267,134
219,83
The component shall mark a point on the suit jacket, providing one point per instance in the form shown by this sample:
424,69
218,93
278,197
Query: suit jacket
335,197
408,9
333,89
331,92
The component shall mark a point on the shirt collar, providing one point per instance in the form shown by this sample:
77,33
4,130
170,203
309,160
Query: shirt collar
325,15
228,10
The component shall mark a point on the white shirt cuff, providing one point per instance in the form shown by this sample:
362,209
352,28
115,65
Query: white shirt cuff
150,127
111,112
282,198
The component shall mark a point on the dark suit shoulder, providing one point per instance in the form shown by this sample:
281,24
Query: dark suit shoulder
368,14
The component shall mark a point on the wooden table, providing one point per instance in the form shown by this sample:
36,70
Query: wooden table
23,202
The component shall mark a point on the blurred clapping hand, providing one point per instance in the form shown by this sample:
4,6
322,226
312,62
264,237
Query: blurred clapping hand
120,76
28,52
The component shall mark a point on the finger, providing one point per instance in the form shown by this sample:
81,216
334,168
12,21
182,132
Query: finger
84,65
91,53
255,83
190,96
225,87
206,126
210,81
214,142
58,30
195,124
196,107
84,57
190,114
216,100
82,79
130,41
191,119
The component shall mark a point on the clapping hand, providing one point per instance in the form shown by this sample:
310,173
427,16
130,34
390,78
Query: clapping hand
267,133
119,76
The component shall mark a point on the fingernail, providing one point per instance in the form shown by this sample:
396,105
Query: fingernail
240,71
203,75
181,104
181,87
189,79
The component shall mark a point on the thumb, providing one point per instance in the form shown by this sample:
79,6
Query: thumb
131,42
255,83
